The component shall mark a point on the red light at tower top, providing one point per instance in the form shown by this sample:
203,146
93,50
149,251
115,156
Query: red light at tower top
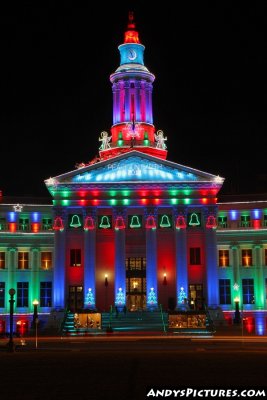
131,35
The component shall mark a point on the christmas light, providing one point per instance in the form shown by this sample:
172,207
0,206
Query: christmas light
135,221
105,222
150,222
90,298
152,298
181,296
119,223
18,208
180,222
165,221
75,221
120,298
89,223
58,224
236,286
194,220
211,222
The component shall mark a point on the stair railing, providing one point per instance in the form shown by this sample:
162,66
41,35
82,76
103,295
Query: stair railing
162,317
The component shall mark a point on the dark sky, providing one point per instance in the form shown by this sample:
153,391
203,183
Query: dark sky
210,67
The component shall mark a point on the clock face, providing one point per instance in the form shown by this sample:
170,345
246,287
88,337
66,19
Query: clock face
131,54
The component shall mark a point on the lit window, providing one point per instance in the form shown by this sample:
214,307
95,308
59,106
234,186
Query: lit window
2,260
247,258
223,258
23,260
46,259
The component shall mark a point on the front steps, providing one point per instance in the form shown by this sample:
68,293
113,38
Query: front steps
138,321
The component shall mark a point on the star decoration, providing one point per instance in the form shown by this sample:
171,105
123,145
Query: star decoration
18,208
236,286
51,181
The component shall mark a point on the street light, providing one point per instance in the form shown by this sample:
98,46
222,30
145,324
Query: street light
106,291
237,319
35,319
10,345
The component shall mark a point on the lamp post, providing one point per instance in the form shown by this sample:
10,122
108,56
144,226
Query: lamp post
237,318
106,291
35,319
165,286
11,346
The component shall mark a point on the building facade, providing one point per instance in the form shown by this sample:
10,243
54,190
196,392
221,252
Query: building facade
131,228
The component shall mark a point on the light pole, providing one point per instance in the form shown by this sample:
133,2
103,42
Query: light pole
237,318
11,347
35,319
106,291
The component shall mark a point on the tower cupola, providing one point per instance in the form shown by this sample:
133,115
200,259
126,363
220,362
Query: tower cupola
132,86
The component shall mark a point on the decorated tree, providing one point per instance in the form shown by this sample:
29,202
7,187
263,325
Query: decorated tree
120,298
181,296
90,299
152,298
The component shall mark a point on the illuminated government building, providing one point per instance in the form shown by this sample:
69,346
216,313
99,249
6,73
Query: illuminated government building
132,228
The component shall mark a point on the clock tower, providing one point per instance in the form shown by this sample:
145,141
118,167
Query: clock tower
132,85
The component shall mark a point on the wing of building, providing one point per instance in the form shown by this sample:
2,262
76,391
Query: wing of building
131,229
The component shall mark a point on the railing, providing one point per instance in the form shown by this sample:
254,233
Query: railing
24,228
132,143
162,317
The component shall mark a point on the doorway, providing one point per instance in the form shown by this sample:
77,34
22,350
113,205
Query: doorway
75,298
136,283
196,300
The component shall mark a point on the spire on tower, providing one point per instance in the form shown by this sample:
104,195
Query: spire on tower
131,24
131,35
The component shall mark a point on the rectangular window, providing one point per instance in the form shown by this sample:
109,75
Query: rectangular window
22,294
3,225
195,258
225,291
45,294
245,221
2,294
2,260
46,259
75,257
23,260
135,263
248,291
24,224
223,258
222,222
46,224
247,258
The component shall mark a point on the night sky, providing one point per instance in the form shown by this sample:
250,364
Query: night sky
210,67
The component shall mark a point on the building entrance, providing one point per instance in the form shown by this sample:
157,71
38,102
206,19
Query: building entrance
75,298
196,296
136,283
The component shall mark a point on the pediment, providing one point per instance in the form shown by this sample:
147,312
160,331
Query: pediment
133,167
